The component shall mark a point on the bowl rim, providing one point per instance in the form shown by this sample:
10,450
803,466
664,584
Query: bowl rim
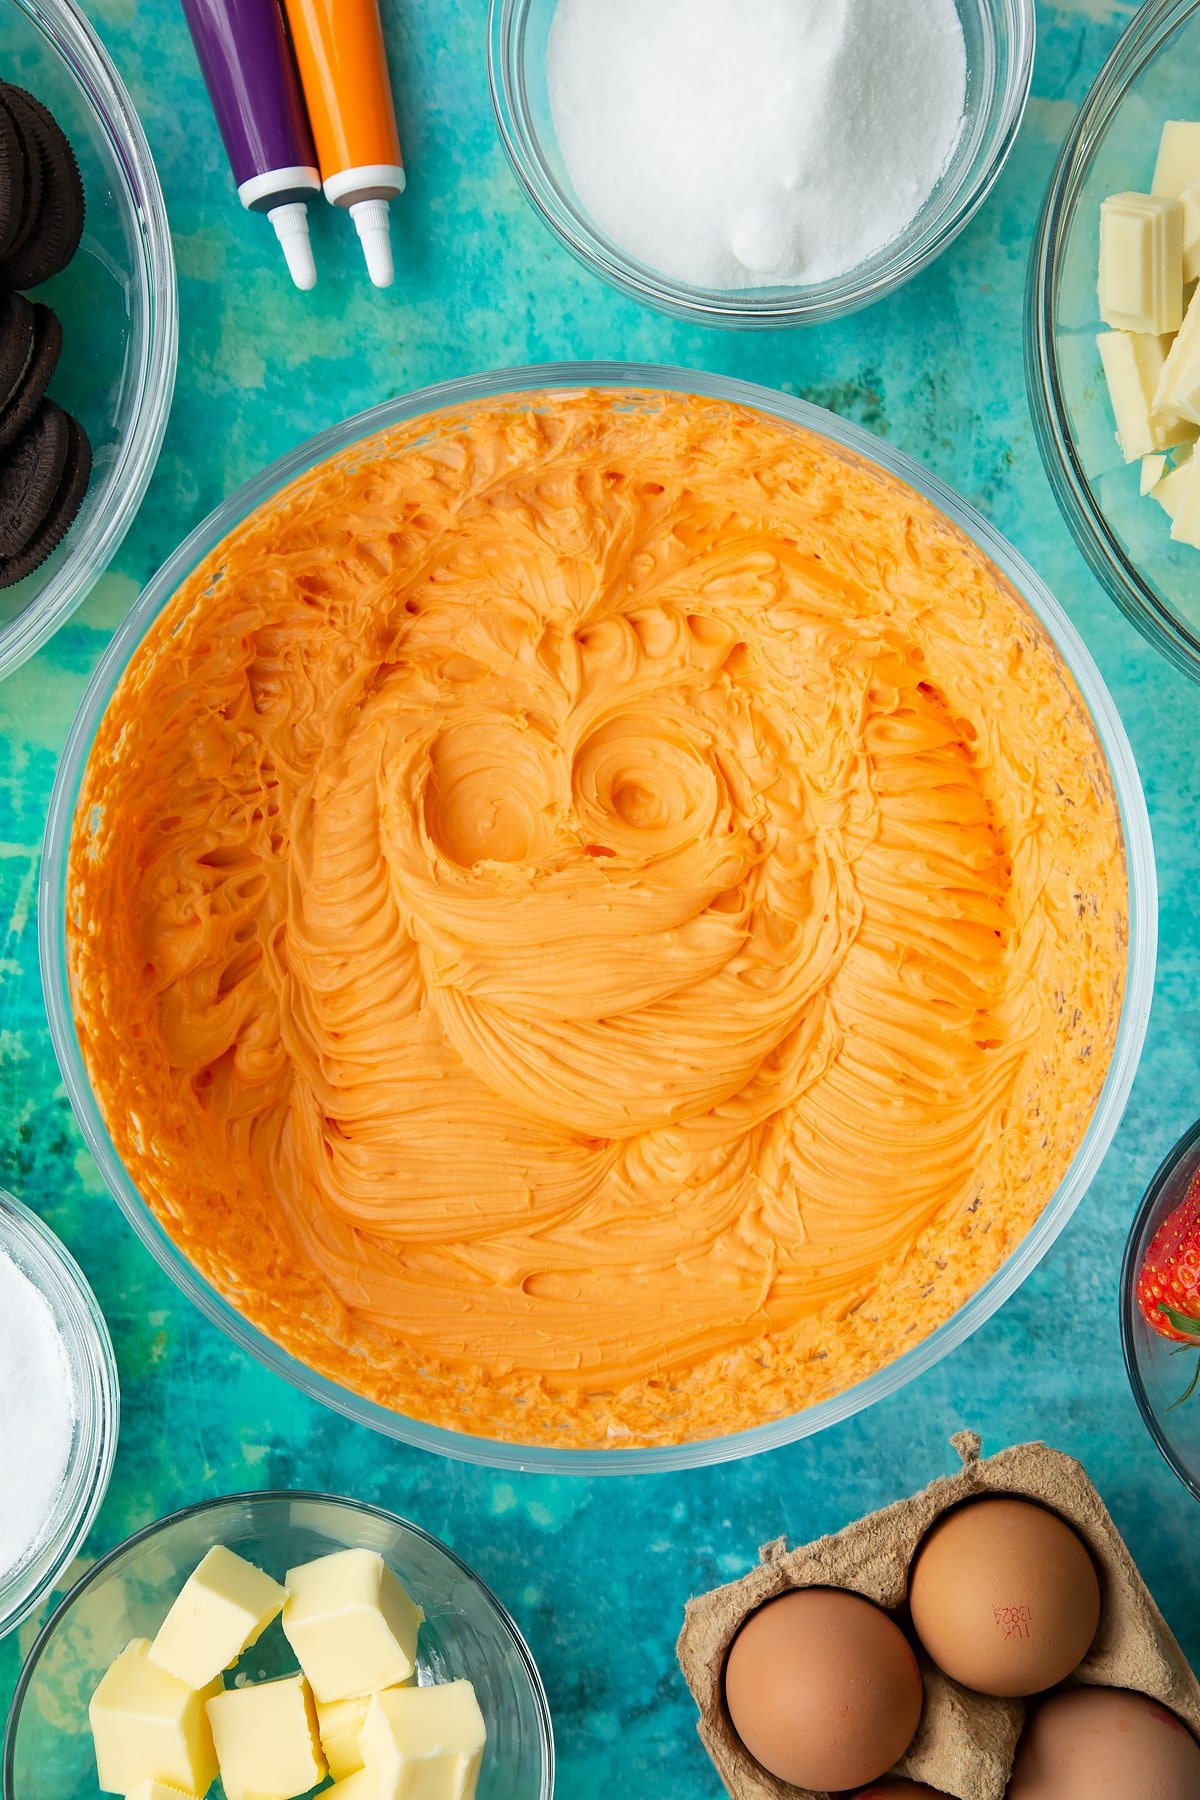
769,308
67,30
79,1318
1140,602
1141,954
1185,1146
250,1498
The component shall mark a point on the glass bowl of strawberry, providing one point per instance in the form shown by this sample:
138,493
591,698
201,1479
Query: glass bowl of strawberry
1160,1309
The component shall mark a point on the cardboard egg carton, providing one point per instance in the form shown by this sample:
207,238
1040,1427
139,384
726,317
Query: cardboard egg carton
966,1742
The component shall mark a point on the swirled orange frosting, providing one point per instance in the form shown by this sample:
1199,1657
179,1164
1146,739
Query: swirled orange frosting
599,921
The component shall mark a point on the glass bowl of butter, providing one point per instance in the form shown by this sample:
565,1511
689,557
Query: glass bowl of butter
1134,537
213,1576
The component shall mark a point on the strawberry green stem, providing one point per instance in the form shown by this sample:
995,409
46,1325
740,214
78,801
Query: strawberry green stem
1181,1322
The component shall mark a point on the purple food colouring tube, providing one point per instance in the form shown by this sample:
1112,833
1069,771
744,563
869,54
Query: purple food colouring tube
247,65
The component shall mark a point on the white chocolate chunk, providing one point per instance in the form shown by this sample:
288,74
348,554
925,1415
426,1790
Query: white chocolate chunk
425,1743
1178,164
148,1727
1190,201
1153,470
266,1739
1141,263
1185,516
1178,389
222,1609
1133,366
351,1624
1169,491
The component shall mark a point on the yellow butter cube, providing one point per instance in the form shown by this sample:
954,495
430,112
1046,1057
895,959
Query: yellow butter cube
351,1624
147,1726
223,1608
359,1786
266,1739
425,1743
340,1722
158,1790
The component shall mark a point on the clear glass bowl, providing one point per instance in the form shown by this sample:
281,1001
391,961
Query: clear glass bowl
466,1634
1000,38
1142,921
1150,77
117,303
1160,1370
39,1256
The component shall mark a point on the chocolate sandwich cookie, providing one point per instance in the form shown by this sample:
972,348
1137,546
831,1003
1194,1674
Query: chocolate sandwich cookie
68,498
15,104
53,235
17,337
12,180
40,365
30,471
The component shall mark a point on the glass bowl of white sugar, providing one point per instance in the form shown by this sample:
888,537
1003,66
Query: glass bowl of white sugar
779,162
59,1410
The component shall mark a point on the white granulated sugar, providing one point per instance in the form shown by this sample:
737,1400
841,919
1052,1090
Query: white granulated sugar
37,1415
745,143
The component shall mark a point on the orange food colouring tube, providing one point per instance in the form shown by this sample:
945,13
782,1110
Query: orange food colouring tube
343,69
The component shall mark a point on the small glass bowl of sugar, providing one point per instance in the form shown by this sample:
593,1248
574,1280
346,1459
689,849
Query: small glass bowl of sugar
59,1410
774,162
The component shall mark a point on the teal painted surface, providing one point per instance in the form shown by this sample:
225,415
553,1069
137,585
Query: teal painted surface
595,1572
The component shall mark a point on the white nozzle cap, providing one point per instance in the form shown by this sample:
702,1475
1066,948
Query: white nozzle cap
291,228
371,219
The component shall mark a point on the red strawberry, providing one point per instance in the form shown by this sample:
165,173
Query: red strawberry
1168,1283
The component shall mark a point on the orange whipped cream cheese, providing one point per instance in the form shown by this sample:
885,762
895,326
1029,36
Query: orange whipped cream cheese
598,919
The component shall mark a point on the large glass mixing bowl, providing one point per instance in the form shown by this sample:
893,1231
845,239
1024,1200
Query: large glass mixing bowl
1139,973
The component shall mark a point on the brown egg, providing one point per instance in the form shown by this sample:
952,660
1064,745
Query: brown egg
1092,1742
900,1790
823,1689
1004,1597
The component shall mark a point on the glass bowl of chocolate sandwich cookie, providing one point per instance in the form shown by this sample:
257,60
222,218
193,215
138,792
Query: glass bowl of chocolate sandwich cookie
88,329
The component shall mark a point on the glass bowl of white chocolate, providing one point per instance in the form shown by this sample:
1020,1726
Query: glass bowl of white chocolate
277,1643
1113,328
